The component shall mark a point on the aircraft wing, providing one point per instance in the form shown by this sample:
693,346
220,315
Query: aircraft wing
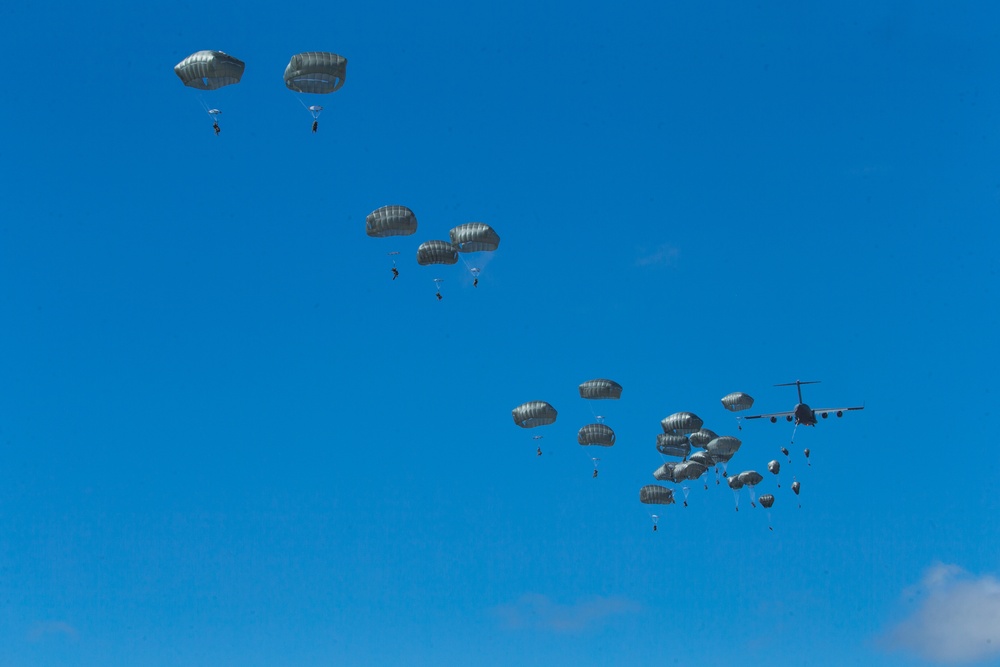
772,414
836,410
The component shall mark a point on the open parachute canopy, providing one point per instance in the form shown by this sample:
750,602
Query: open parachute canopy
474,237
534,413
596,434
654,494
600,389
209,70
682,423
436,252
390,221
672,444
737,401
316,72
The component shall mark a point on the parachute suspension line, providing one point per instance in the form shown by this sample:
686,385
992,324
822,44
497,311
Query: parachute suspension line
473,271
794,428
753,496
736,495
686,489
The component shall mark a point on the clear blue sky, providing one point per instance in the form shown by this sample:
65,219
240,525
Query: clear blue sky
228,438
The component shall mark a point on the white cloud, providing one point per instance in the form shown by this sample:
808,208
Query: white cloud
536,611
664,255
957,619
40,631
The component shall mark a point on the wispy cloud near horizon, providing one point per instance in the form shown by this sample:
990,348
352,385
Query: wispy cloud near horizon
42,630
663,255
535,611
957,620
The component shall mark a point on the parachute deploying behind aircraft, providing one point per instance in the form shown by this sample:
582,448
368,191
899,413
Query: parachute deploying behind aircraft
600,389
390,221
210,70
315,73
436,252
534,413
596,434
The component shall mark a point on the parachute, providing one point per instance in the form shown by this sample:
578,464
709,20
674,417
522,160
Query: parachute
474,237
737,401
703,458
671,444
534,413
735,483
750,479
702,437
390,221
596,434
689,470
210,70
600,389
682,423
315,73
665,473
653,494
723,448
807,452
774,468
796,487
436,252
766,501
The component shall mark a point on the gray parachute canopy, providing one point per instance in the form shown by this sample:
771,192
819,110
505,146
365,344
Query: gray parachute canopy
316,72
750,477
534,413
689,470
653,494
702,437
474,237
600,389
665,473
390,221
596,434
436,252
735,483
682,423
703,458
723,448
796,487
209,70
766,500
671,444
737,401
774,467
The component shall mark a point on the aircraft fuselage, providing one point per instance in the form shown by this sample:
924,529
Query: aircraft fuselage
804,415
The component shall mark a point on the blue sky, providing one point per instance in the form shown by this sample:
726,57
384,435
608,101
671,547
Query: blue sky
227,437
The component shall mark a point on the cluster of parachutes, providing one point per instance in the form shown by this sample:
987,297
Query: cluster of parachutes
308,73
464,240
682,433
597,434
